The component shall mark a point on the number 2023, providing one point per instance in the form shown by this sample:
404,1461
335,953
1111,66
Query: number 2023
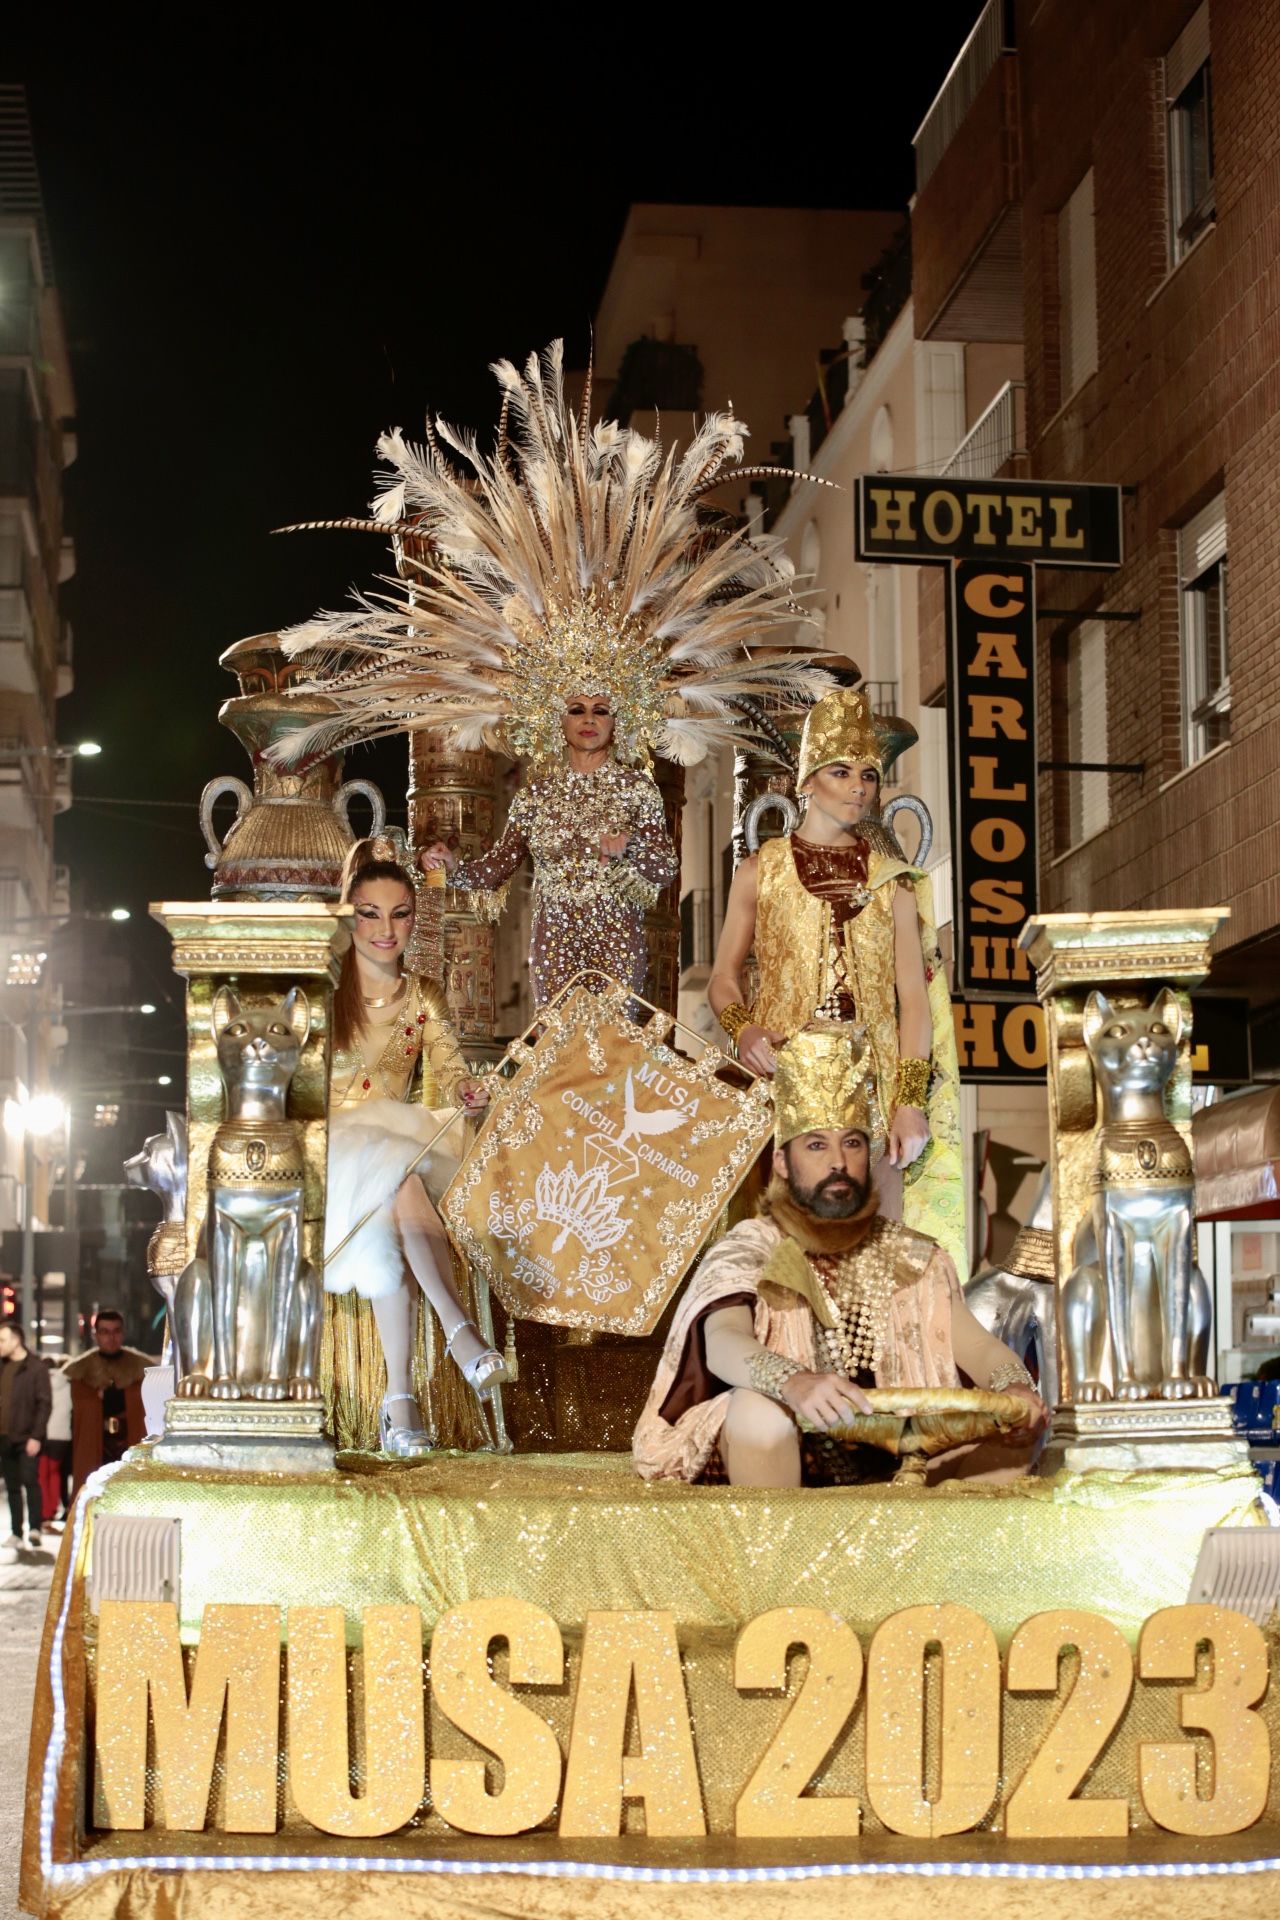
1044,1803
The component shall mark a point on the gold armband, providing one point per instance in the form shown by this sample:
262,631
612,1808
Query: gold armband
1010,1373
769,1372
734,1018
913,1083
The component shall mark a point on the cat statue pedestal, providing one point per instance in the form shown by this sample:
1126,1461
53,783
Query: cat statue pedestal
1133,1311
260,979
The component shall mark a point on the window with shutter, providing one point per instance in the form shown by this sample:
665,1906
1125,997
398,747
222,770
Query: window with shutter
1202,601
1189,120
1077,289
1088,794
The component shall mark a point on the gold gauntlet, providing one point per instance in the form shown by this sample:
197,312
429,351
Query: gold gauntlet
770,1372
1010,1373
913,1083
734,1018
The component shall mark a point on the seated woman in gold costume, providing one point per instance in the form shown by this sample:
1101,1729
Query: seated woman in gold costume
395,1060
842,929
601,856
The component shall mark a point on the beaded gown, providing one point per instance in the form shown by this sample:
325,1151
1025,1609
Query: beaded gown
587,912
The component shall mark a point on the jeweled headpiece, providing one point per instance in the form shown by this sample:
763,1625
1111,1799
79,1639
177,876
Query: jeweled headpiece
842,727
573,560
826,1078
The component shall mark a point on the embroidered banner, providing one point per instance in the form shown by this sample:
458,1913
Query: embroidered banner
599,1173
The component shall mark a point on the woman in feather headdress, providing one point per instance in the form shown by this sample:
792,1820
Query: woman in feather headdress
566,601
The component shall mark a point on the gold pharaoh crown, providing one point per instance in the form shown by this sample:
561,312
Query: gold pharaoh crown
842,727
826,1078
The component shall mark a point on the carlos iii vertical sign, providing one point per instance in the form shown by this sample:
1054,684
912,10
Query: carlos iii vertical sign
993,748
991,535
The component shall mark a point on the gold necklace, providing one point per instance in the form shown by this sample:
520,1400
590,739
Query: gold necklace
387,998
860,1287
401,1046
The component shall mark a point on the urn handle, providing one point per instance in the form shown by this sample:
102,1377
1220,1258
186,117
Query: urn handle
226,783
347,792
769,803
910,803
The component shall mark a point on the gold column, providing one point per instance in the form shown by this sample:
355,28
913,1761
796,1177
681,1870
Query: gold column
451,798
1128,956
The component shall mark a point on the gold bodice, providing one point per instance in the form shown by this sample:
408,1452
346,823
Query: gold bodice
415,1056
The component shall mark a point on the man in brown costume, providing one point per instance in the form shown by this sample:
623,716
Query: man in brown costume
106,1398
792,1315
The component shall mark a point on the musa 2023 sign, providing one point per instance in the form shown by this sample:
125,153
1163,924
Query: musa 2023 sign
926,1757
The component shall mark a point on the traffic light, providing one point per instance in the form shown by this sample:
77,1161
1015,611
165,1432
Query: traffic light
8,1301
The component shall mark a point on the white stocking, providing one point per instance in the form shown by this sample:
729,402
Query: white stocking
426,1248
393,1315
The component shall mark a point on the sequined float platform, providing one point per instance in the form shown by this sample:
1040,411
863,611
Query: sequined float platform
577,1534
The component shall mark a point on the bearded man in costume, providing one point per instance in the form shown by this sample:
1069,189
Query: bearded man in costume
842,929
793,1315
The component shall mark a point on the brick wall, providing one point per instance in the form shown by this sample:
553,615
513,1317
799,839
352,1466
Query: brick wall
1185,403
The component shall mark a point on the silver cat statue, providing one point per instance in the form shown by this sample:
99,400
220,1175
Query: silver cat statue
1135,1312
160,1165
1017,1302
248,1315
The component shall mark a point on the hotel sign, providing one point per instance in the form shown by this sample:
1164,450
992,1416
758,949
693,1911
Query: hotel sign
929,520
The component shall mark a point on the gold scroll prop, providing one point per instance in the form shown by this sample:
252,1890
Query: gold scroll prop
596,1178
914,1424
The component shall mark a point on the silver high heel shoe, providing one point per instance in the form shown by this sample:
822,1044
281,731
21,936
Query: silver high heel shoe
407,1442
487,1371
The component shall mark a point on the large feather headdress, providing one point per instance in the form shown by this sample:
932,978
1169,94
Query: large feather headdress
573,560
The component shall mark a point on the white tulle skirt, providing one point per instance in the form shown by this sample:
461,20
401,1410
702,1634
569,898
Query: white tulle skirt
370,1149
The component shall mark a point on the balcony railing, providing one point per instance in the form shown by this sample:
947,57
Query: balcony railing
996,437
883,695
990,37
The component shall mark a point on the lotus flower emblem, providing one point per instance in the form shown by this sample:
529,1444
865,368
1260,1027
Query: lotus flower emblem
581,1205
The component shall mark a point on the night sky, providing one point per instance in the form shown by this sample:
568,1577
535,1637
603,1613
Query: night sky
270,246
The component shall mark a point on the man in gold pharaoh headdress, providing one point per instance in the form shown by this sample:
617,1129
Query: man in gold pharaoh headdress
842,929
793,1315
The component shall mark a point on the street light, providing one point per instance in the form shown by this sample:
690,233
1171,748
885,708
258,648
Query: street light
120,913
44,1114
81,750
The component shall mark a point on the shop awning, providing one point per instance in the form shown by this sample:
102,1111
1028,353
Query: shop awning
1237,1152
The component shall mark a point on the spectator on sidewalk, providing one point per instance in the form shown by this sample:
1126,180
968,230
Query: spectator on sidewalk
106,1398
25,1405
55,1461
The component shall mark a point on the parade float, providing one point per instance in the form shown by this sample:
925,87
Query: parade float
284,1667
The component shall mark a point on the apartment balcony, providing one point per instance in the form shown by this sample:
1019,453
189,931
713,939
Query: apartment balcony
19,669
967,218
19,799
66,678
997,440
